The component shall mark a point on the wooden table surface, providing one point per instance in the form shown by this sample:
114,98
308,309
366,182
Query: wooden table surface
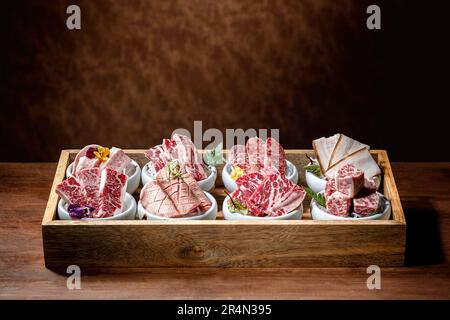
424,191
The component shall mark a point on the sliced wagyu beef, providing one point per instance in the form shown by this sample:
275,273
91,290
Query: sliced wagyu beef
179,148
339,204
85,161
275,156
113,186
349,180
174,197
189,156
103,191
274,195
89,180
238,156
258,154
256,150
246,186
118,160
71,192
366,205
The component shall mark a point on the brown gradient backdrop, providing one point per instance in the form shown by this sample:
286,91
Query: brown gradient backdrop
140,69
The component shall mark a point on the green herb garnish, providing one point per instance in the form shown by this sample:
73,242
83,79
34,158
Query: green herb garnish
214,156
236,206
320,198
314,169
175,169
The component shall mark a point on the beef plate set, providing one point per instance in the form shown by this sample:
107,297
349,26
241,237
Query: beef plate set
177,181
172,197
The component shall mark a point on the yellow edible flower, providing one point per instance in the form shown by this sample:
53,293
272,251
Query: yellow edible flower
102,153
237,172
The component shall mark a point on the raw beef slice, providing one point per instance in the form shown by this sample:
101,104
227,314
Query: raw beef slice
81,154
190,157
173,198
89,180
349,180
338,204
70,191
275,156
237,156
330,187
247,185
113,185
118,160
256,150
366,205
158,157
275,196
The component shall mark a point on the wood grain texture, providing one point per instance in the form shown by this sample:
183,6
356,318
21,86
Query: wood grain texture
223,243
423,188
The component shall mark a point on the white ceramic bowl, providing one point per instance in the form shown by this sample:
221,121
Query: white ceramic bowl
318,213
133,181
205,184
315,183
128,211
228,215
230,184
208,215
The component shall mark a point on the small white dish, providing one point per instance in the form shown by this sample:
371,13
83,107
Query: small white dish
207,215
206,184
128,211
318,212
315,183
230,184
228,215
133,181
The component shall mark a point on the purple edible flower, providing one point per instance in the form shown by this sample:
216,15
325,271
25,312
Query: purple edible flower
78,212
90,152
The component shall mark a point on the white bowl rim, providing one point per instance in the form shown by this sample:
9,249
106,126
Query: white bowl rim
136,172
211,169
132,206
289,164
372,217
198,217
249,217
315,177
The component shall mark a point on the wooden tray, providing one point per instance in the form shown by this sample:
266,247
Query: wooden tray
222,243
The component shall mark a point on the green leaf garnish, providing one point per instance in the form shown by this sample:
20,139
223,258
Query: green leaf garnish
235,206
175,169
320,198
214,156
314,169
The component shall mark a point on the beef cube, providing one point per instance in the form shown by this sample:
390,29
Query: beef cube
349,180
330,187
338,204
367,204
370,184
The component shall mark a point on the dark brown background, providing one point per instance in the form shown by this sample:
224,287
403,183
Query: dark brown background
139,69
